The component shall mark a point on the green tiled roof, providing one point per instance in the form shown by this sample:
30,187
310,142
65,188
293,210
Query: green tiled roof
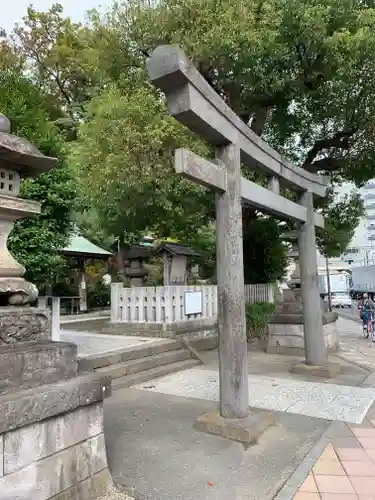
80,246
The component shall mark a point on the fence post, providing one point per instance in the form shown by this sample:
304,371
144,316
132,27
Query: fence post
271,294
168,300
115,302
42,302
56,318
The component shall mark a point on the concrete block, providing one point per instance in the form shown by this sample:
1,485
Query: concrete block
247,430
27,365
34,405
34,442
206,344
94,361
46,478
92,488
327,371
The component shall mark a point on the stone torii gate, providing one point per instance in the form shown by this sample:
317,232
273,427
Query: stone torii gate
193,102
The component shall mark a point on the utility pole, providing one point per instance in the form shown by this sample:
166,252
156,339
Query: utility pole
328,286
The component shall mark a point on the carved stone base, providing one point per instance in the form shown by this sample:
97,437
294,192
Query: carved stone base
24,324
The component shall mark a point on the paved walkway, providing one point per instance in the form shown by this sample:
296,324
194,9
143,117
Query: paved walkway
346,468
95,343
313,399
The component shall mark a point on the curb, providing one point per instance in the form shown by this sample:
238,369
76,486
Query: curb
297,478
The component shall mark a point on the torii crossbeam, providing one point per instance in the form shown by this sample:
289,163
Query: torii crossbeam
193,102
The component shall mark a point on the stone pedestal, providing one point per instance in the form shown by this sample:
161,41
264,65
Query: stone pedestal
51,417
286,327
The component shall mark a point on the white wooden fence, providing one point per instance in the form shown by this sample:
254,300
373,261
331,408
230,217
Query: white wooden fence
262,292
172,304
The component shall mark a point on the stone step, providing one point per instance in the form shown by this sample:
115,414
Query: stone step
95,361
143,364
153,373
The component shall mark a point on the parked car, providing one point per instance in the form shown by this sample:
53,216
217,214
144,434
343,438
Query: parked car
340,299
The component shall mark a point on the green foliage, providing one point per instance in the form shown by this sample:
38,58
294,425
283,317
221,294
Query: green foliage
124,160
301,73
35,241
257,318
98,294
265,256
341,219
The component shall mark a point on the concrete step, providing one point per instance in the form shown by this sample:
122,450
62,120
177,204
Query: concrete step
160,371
95,361
143,364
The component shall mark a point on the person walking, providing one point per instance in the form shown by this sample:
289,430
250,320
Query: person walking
366,308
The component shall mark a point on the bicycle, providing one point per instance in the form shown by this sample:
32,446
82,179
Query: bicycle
368,329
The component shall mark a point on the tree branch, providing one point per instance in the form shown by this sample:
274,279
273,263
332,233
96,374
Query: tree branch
341,140
329,164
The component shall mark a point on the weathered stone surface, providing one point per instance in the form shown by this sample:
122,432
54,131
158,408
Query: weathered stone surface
16,291
27,365
1,455
34,442
297,318
92,488
247,430
289,338
25,157
24,324
194,102
33,405
46,478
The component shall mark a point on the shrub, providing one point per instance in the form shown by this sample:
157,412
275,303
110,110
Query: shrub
257,319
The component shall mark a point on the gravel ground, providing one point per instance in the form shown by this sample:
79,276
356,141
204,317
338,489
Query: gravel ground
117,494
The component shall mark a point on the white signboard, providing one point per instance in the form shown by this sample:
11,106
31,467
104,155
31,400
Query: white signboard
193,303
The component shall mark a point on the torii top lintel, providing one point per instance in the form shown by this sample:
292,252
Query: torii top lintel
193,102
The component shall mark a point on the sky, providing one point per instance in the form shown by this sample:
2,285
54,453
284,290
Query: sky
73,8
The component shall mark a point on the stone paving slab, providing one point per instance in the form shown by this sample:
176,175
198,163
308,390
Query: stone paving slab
96,343
344,471
313,399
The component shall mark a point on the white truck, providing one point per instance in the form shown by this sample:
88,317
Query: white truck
363,279
340,283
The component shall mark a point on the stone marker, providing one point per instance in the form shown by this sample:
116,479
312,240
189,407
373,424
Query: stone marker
51,418
193,102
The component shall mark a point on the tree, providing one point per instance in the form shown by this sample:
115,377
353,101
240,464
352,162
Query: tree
35,241
265,256
341,220
124,160
301,73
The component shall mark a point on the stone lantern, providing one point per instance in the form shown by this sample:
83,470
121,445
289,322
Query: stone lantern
295,279
51,416
135,270
286,326
18,159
